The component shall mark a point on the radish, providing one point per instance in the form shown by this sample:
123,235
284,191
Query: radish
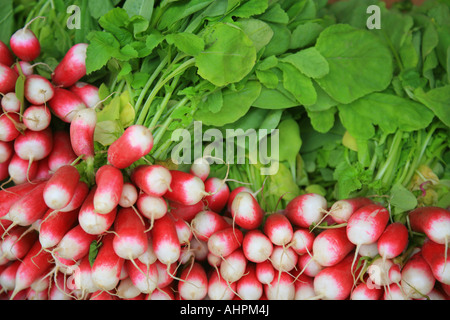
223,242
18,242
87,92
331,246
37,118
29,208
342,209
306,210
166,244
144,276
206,222
365,292
38,90
283,259
4,174
438,258
165,274
278,228
72,67
248,287
369,250
183,229
21,171
281,288
9,126
200,168
304,288
8,276
127,290
90,220
219,288
80,194
24,43
109,182
199,248
10,102
34,264
129,195
43,171
62,152
165,293
393,241
218,193
26,67
233,194
54,226
65,104
130,240
10,195
8,78
6,56
75,244
151,179
246,211
186,212
233,266
6,151
379,272
185,188
149,256
60,188
151,207
82,130
256,246
34,145
308,265
433,221
194,282
302,241
417,277
137,140
102,295
83,278
107,265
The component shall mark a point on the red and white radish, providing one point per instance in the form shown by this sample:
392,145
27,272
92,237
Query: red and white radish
38,90
109,181
185,188
151,179
75,244
218,193
233,266
186,212
24,44
6,56
6,151
200,168
365,292
18,242
151,207
87,92
256,246
8,78
129,195
130,240
306,210
37,118
206,222
144,276
34,145
417,277
54,225
60,188
193,284
302,241
80,194
223,242
341,210
82,129
248,286
8,196
393,241
10,102
65,104
433,221
9,126
166,244
438,258
246,211
219,288
72,67
278,228
62,152
331,246
281,288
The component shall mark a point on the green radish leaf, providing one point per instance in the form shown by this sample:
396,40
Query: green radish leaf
268,78
282,184
275,14
402,199
305,35
111,111
106,132
257,30
143,8
290,141
93,251
102,47
186,42
250,8
354,57
298,84
309,61
437,100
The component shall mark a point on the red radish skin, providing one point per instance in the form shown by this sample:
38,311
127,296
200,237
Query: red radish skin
87,92
165,273
80,194
393,241
248,287
54,226
130,240
4,174
8,276
302,241
218,192
38,90
206,222
246,211
109,182
107,266
194,282
34,264
144,276
331,246
281,288
37,118
43,172
25,45
82,130
21,171
223,242
8,78
75,244
166,244
6,56
341,210
151,179
186,212
137,140
185,188
26,67
433,221
62,152
10,102
184,230
161,294
18,242
256,246
29,208
8,196
200,168
306,210
90,220
82,278
6,151
9,126
365,292
72,67
60,188
417,277
65,104
34,145
308,266
129,195
279,229
438,258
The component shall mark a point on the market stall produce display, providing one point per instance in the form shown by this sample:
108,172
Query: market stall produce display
224,150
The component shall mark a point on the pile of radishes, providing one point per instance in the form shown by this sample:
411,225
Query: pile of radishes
150,232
